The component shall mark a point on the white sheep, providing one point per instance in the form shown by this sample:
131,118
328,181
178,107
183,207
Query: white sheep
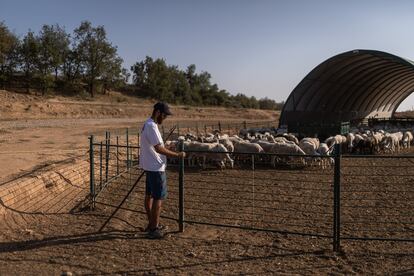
407,139
286,148
246,147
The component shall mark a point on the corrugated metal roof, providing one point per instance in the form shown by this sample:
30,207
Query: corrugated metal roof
351,86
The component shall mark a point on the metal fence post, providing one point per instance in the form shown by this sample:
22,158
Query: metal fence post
253,176
109,146
117,156
127,150
337,188
205,129
244,125
178,129
92,172
138,148
106,155
100,166
219,126
181,192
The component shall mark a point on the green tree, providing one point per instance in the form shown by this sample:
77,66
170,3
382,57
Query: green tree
155,79
9,44
55,43
181,87
139,74
29,52
114,76
47,58
72,69
159,80
191,76
95,52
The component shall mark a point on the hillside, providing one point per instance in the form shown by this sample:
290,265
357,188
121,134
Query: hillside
16,106
38,130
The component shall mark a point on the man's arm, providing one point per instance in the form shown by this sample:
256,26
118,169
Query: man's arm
162,150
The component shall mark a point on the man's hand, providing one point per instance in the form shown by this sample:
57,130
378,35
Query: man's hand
181,154
162,150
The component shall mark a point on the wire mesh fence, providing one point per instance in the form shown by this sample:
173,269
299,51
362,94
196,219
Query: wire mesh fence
196,128
377,197
254,195
199,128
50,189
109,159
337,197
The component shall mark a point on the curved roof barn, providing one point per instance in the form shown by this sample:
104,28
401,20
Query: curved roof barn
351,86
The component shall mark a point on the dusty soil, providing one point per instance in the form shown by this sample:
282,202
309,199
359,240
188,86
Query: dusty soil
109,240
36,131
47,228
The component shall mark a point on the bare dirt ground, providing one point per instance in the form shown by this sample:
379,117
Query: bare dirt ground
101,242
36,131
46,227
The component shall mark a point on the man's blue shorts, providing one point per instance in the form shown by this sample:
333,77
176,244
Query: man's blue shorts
156,185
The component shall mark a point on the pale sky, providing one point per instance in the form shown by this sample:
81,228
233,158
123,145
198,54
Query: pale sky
258,47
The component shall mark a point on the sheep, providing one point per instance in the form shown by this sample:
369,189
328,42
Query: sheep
362,144
376,140
407,139
324,150
227,143
285,148
333,140
255,140
350,137
280,139
220,155
204,149
197,146
291,137
246,147
309,145
265,145
391,142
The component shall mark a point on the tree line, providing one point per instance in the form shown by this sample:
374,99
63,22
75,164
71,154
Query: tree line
156,79
53,60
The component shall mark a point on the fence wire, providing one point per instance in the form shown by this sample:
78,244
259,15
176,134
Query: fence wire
50,189
377,198
195,128
346,197
253,195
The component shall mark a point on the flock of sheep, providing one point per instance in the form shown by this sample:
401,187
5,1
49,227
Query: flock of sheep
269,146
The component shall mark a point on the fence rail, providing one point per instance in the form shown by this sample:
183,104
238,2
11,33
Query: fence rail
377,198
354,198
109,161
200,127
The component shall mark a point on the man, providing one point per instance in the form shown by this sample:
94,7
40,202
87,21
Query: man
153,161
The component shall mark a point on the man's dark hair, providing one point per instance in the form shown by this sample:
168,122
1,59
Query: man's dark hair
162,107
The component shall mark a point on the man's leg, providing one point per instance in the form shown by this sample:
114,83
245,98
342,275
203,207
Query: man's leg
148,206
155,213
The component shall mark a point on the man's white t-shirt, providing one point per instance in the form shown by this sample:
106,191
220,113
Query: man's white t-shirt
149,159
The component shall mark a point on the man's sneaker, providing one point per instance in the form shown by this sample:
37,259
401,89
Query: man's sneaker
155,234
162,227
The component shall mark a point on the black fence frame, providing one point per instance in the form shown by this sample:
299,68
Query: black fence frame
336,204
